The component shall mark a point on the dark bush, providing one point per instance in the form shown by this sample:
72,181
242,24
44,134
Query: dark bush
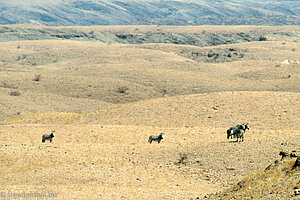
122,89
262,38
15,93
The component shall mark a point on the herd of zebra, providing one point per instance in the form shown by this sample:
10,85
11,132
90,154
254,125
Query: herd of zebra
235,131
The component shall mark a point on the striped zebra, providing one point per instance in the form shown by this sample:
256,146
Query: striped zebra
48,137
155,138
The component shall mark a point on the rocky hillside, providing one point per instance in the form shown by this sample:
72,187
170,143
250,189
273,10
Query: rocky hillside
11,33
280,180
200,36
140,12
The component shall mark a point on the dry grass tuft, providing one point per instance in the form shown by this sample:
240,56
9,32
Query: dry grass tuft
37,77
14,93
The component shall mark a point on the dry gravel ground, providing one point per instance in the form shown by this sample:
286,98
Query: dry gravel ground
102,159
115,162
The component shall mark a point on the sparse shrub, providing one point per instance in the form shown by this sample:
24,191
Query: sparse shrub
182,159
37,77
262,38
21,57
293,49
14,93
210,54
195,53
122,89
164,92
5,85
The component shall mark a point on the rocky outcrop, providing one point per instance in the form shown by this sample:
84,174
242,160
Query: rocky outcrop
280,180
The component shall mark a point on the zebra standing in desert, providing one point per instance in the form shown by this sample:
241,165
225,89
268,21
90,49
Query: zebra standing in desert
48,137
155,138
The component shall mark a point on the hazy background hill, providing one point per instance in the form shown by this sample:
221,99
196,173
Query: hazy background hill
139,12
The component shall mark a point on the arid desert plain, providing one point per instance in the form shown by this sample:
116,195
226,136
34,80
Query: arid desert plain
104,100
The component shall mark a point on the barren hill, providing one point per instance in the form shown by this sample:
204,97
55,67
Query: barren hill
263,110
82,76
141,12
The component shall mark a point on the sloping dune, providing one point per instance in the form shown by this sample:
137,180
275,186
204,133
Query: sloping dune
86,76
265,110
273,110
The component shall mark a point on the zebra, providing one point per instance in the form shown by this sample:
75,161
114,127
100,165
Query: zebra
48,137
231,130
155,138
239,134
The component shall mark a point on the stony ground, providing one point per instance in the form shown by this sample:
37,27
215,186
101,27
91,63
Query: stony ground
115,162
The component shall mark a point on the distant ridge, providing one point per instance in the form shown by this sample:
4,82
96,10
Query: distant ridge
148,12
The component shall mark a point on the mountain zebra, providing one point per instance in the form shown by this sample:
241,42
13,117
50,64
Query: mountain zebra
155,138
48,137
